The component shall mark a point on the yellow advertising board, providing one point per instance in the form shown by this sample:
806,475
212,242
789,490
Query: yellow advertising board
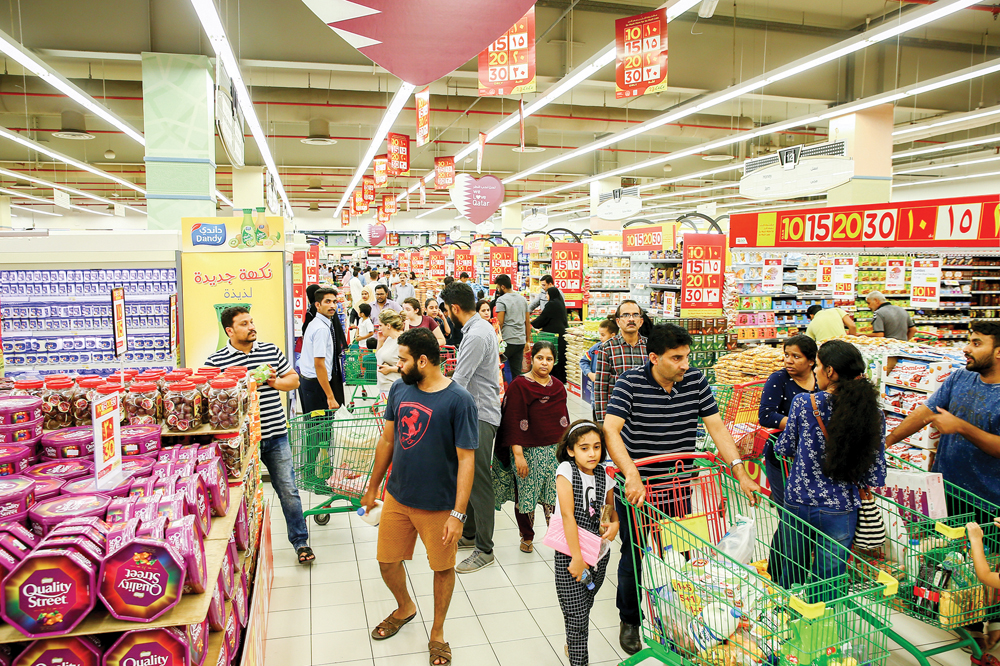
254,232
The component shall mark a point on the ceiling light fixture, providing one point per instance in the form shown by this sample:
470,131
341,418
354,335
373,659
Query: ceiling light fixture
33,210
954,145
943,165
706,9
48,202
212,25
948,179
58,186
950,120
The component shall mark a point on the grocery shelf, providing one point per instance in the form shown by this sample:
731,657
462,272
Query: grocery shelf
624,255
671,287
908,388
948,267
600,289
657,261
984,292
84,331
90,366
205,429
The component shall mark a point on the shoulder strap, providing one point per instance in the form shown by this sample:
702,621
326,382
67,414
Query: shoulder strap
819,418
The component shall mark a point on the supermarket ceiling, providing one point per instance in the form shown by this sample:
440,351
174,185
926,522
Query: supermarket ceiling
299,70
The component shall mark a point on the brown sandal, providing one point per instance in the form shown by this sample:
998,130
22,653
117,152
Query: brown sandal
526,546
391,626
439,650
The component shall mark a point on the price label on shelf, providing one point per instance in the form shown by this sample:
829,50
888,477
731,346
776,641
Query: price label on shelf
641,45
118,320
773,276
925,283
845,276
702,274
895,274
567,271
105,414
824,274
507,66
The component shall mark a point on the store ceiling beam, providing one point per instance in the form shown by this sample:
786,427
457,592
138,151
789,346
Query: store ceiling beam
22,176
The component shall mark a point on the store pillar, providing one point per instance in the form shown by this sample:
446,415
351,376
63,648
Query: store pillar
5,222
869,142
510,221
178,103
248,188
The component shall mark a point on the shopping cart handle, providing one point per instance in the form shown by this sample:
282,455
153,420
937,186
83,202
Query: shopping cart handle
950,532
808,611
667,457
891,584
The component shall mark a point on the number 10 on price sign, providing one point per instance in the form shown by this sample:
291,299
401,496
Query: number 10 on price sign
702,274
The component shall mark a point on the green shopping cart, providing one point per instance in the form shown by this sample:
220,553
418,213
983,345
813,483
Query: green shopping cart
690,585
361,368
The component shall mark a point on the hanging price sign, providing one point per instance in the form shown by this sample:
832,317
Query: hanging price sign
444,172
399,154
567,271
423,116
773,276
895,274
358,203
389,204
436,260
393,238
641,45
925,283
702,275
118,319
649,237
503,261
368,188
383,215
404,261
417,263
379,168
845,277
465,263
507,66
534,244
345,218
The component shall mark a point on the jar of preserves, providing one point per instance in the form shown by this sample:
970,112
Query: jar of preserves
32,387
82,398
169,378
142,404
182,407
201,383
223,404
57,400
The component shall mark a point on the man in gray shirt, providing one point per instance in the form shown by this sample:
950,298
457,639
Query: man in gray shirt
477,370
512,315
542,297
891,321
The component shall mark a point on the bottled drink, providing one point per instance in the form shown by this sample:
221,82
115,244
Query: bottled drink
263,229
913,559
371,517
587,579
248,233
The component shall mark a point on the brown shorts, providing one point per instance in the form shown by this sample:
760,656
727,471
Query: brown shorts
398,528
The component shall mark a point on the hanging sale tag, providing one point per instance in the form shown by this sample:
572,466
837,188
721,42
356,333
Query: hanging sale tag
641,45
423,192
389,204
368,188
482,149
444,172
345,218
423,116
507,66
399,154
381,171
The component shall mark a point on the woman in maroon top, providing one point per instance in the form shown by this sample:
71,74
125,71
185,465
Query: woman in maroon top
414,318
533,420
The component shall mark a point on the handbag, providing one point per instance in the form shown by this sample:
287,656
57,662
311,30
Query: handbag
555,538
869,534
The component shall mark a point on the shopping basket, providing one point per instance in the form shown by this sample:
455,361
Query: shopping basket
687,580
362,371
739,407
334,456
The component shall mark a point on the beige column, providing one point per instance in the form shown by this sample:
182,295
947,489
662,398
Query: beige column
869,142
5,222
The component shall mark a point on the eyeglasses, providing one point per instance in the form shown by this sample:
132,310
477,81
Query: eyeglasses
630,315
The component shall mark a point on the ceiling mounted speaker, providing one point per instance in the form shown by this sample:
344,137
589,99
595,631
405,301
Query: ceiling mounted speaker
530,141
314,186
73,127
109,154
319,133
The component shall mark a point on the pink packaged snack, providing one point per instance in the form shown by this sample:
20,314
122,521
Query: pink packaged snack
217,609
45,515
140,439
166,485
142,580
49,593
240,599
232,631
7,564
153,529
188,453
183,468
120,509
224,656
95,536
234,554
17,494
18,519
65,650
197,637
88,521
17,409
171,507
22,533
149,647
168,455
183,536
15,459
121,534
228,575
68,443
142,487
11,544
21,433
161,469
146,508
83,547
242,528
213,473
88,486
137,466
61,469
206,452
196,501
46,487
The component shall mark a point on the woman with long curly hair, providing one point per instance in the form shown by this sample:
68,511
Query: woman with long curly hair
837,437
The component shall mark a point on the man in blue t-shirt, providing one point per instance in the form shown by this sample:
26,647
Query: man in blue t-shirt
430,436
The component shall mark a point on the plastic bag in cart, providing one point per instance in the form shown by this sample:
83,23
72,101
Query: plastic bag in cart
738,542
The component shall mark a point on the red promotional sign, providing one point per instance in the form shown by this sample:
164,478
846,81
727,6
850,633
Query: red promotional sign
368,188
423,116
971,221
702,274
534,244
503,261
380,166
436,260
312,265
465,263
299,304
444,172
651,237
641,43
345,218
358,203
567,271
507,66
399,154
383,215
393,238
417,263
404,261
389,204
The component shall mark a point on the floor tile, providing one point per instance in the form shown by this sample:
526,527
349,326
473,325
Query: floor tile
295,651
291,577
334,594
335,572
476,655
374,589
410,639
528,574
534,651
498,600
510,626
331,537
341,646
289,598
329,553
491,577
288,624
460,606
343,617
461,631
538,595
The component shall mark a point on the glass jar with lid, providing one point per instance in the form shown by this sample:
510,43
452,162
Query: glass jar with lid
182,407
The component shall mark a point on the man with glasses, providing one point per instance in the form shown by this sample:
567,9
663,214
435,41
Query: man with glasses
623,352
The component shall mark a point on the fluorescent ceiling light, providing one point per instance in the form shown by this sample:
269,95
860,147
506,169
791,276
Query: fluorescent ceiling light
49,202
58,186
954,145
950,178
212,25
32,210
951,120
433,210
989,69
395,106
224,199
943,165
12,49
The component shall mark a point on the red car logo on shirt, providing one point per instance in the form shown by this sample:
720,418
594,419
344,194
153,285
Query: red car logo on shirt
412,422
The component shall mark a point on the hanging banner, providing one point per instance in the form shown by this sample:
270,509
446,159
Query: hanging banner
399,154
567,271
482,149
465,263
423,116
312,265
436,261
368,188
503,261
824,274
641,45
845,277
404,261
925,283
345,218
381,170
534,244
423,192
393,238
702,275
444,172
389,204
940,223
507,66
773,276
417,263
105,414
358,203
118,321
382,215
895,274
650,237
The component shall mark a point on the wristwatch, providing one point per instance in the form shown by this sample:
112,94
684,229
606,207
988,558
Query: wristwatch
738,461
461,516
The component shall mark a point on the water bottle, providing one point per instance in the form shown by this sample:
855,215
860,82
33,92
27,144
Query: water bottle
587,579
713,625
913,559
373,516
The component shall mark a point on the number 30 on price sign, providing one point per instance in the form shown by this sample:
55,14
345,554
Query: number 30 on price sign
702,274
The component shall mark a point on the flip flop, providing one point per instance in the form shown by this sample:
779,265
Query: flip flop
391,626
305,554
526,546
441,651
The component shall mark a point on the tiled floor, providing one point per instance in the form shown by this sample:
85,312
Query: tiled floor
505,615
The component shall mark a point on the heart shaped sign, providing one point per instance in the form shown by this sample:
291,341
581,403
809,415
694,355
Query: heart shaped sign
478,199
420,40
375,233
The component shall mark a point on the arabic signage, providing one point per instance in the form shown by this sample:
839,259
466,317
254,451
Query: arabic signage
358,203
465,263
925,283
404,261
702,274
423,99
417,263
345,218
567,271
895,274
380,171
650,237
389,204
299,305
966,222
773,275
641,46
257,233
118,320
105,415
534,244
844,279
312,265
399,154
507,66
368,188
393,238
824,274
436,264
503,261
444,172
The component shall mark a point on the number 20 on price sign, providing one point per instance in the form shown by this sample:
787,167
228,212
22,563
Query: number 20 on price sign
702,271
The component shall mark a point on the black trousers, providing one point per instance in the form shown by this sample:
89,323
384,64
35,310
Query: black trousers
515,357
311,395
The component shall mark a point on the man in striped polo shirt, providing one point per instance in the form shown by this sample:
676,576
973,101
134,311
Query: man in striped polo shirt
654,409
243,349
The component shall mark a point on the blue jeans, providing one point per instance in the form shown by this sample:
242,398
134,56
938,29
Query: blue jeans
277,457
797,541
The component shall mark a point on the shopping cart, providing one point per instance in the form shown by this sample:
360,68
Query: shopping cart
362,371
688,579
449,357
334,456
739,406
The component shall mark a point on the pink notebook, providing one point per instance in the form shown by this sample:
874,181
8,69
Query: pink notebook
555,538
